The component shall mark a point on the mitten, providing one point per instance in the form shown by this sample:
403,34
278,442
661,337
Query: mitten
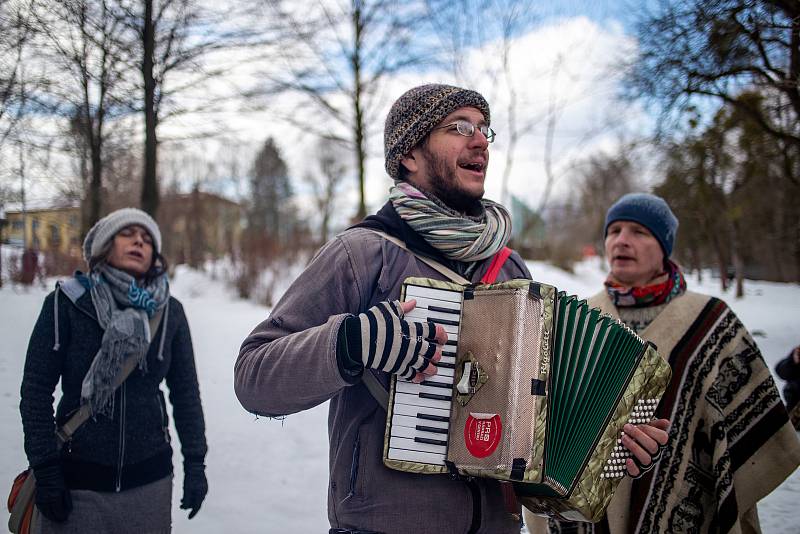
383,340
52,496
195,486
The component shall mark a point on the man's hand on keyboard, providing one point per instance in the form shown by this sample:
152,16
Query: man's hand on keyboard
386,341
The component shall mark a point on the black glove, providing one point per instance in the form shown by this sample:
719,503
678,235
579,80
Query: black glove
383,340
195,486
52,496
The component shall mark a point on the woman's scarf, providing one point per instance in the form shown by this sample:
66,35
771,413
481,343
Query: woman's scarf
458,237
666,287
123,311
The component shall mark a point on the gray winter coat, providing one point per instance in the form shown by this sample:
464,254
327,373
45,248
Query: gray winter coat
288,364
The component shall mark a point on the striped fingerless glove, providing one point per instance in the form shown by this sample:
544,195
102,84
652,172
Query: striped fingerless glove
383,340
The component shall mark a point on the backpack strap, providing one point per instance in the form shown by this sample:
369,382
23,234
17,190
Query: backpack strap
73,289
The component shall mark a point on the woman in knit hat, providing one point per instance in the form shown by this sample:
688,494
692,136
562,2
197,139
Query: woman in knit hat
114,474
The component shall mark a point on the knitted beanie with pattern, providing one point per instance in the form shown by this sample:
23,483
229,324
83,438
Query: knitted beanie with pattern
650,211
106,228
417,112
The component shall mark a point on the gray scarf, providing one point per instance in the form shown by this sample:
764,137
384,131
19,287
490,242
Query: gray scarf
123,311
458,237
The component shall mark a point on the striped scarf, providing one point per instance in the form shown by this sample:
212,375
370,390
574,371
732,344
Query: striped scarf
458,237
123,311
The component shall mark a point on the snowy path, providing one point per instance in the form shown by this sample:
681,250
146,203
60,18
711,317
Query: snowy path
269,476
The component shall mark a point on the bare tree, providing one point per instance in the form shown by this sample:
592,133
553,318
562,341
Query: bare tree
16,30
325,182
172,41
693,49
338,56
467,25
82,42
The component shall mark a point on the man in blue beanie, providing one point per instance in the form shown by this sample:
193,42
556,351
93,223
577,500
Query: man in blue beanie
730,440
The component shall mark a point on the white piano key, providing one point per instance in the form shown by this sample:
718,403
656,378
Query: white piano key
436,305
416,400
452,330
440,379
413,432
445,372
411,445
435,297
432,315
446,358
448,310
416,456
412,388
413,422
434,293
413,411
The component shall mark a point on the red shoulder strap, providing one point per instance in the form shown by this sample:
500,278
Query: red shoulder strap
497,262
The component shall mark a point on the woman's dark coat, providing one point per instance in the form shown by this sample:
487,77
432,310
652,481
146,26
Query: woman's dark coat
132,448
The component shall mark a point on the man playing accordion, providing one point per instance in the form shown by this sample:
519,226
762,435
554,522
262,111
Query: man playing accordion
341,319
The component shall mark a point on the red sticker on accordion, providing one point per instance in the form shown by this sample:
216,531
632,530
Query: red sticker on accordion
482,434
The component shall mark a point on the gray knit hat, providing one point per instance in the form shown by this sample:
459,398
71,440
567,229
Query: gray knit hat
417,112
106,228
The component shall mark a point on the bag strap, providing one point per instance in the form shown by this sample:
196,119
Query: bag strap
449,273
498,260
65,432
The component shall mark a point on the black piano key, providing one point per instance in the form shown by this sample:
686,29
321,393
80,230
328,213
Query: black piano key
451,342
444,310
431,441
433,429
434,396
435,384
431,417
445,365
436,320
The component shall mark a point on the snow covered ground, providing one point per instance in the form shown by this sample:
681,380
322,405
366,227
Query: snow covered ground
270,476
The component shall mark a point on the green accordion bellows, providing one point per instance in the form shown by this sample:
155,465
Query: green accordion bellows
534,388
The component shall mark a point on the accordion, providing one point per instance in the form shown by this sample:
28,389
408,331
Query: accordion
534,387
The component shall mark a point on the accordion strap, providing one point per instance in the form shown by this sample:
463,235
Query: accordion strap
497,263
449,273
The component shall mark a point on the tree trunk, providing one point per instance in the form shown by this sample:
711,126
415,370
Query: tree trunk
149,181
96,185
358,110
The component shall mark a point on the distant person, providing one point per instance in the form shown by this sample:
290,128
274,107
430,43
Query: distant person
340,323
30,266
115,474
789,369
730,441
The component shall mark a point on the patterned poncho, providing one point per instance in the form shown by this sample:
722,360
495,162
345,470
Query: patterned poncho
730,441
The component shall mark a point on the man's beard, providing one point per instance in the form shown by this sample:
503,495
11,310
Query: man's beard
444,184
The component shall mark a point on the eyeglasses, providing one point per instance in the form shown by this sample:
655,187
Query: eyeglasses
467,129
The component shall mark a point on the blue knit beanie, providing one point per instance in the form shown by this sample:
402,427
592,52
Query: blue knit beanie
650,211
